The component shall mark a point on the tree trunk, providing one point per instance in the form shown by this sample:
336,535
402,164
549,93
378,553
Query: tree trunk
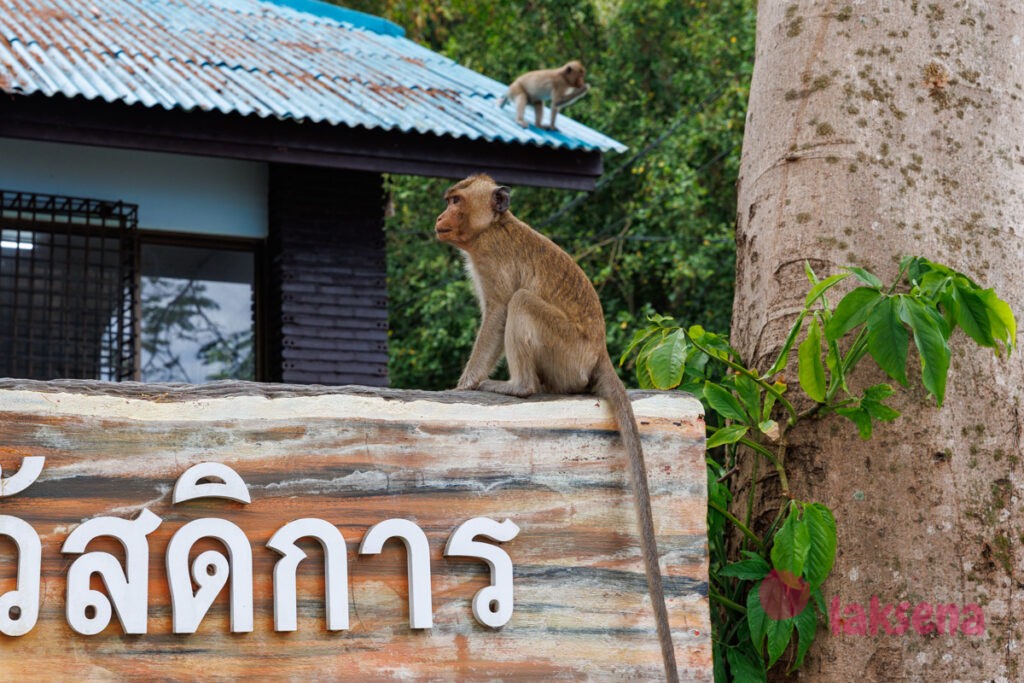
879,129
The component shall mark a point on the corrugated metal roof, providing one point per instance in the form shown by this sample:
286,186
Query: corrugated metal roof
290,59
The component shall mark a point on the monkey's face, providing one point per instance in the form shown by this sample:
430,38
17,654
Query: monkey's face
473,204
574,73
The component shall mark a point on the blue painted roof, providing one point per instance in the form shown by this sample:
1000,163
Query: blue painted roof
301,60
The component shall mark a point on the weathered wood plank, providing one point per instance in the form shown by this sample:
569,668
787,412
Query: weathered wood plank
355,457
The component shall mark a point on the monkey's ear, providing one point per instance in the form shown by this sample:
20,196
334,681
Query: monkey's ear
500,199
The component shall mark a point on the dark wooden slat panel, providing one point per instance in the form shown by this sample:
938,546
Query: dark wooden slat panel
331,338
325,313
352,354
328,290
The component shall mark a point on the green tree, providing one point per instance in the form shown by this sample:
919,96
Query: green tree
669,79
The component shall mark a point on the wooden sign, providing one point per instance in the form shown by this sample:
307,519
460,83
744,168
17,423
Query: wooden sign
169,532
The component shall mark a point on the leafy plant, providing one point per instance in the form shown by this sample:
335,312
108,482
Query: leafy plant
767,588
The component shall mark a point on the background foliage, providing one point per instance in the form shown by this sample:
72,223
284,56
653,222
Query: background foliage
669,79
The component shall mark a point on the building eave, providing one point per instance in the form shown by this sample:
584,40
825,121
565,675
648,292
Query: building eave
88,122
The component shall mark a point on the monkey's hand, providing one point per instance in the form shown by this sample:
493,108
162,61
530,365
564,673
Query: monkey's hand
467,385
573,95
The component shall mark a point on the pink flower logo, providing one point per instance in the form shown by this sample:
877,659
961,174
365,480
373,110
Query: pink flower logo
783,595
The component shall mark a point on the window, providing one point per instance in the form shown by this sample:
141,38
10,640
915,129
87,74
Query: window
197,311
67,287
81,299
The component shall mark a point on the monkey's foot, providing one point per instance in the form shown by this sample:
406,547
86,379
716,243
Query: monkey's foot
507,388
523,124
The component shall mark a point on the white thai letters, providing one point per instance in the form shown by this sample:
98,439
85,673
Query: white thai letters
417,558
230,487
210,570
335,572
492,605
128,587
19,608
89,611
31,467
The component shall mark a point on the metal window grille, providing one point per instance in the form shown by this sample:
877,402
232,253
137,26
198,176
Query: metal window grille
68,287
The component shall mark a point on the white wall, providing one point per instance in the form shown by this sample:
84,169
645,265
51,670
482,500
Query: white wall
174,192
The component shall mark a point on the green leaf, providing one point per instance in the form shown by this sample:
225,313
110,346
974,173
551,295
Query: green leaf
663,321
769,400
859,417
853,309
783,357
643,367
779,634
972,315
823,286
638,338
726,435
879,411
810,368
696,362
792,543
915,267
719,661
935,285
756,618
930,339
821,553
745,667
1002,324
723,402
750,396
750,554
888,339
717,345
806,624
865,276
718,491
748,570
718,494
819,600
666,360
879,392
812,277
832,362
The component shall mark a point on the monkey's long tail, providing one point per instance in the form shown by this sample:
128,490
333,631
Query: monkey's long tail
607,385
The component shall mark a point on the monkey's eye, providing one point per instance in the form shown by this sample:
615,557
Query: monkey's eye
454,199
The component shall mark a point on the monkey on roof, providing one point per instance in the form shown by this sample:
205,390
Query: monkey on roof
561,87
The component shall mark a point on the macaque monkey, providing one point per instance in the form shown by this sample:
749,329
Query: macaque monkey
541,311
562,86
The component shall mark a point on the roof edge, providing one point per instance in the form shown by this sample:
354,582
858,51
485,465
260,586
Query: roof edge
358,19
76,120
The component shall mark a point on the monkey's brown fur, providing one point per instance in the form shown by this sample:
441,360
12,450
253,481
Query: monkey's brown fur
561,86
539,308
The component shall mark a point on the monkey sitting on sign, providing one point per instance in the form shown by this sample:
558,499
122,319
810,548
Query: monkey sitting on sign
540,311
561,86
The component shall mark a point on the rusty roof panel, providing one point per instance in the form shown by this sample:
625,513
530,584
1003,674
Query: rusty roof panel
302,60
